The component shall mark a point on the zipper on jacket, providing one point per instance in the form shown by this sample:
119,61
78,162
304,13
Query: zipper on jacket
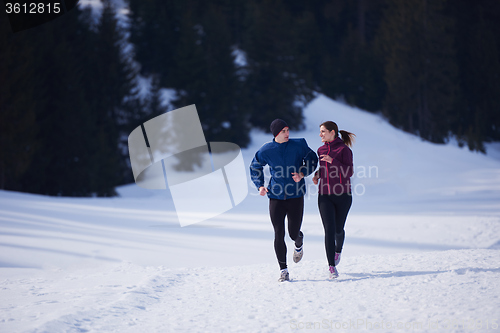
328,172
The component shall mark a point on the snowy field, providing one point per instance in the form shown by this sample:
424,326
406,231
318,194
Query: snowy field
422,251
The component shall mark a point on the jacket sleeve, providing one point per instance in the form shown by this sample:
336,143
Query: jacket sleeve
344,162
257,170
309,161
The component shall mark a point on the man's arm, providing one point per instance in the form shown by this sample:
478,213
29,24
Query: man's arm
257,171
309,161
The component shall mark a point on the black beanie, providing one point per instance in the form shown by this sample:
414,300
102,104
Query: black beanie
277,125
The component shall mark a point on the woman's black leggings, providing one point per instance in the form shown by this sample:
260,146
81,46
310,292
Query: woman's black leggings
333,210
293,209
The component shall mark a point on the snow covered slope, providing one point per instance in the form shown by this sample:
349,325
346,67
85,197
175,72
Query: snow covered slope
421,252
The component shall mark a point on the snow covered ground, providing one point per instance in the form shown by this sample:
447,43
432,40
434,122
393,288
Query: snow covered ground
422,251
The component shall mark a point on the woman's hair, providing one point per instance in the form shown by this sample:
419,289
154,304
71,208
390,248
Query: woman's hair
347,137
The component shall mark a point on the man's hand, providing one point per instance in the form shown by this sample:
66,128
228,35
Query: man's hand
315,179
263,190
297,176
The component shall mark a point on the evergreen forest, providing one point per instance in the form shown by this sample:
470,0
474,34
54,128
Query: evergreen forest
70,92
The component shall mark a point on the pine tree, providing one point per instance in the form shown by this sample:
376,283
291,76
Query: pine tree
188,47
275,84
109,82
221,112
334,19
420,69
78,89
359,69
360,73
58,164
17,105
478,119
155,32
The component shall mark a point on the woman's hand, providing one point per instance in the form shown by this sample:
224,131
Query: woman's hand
315,179
297,176
326,158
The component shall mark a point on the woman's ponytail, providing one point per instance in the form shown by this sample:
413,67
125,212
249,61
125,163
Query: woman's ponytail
347,137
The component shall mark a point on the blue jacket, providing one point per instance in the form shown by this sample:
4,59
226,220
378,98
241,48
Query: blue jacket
283,159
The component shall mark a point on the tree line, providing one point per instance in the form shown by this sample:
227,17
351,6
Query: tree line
69,94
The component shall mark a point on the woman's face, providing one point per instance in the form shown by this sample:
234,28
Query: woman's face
326,135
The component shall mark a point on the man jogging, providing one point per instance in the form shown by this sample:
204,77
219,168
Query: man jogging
289,160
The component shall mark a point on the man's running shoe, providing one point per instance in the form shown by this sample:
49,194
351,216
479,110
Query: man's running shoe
297,254
333,273
284,276
337,258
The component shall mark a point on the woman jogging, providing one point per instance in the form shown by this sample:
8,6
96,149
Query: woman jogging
289,160
335,197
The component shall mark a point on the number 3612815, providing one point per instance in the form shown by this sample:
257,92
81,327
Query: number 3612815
33,8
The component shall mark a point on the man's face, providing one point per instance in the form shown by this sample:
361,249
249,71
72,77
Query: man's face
283,135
